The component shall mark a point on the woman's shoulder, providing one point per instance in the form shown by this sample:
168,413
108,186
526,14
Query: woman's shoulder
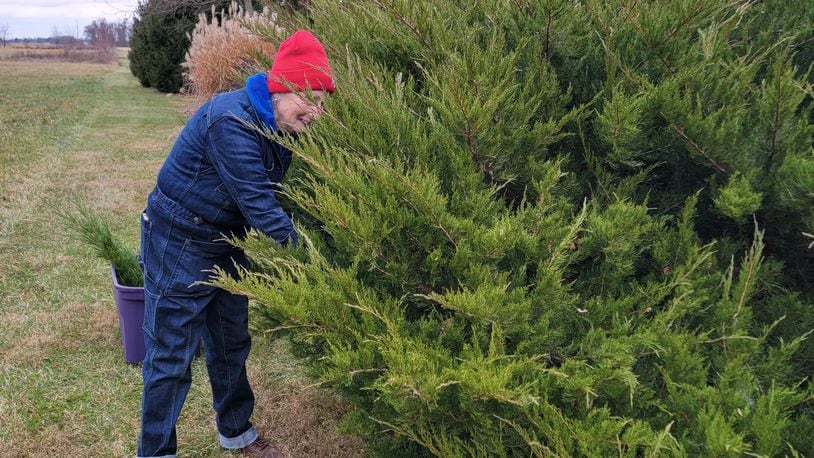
232,104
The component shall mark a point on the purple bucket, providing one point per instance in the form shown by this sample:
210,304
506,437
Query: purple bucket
130,304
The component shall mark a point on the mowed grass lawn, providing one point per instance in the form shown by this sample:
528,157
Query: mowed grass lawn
90,132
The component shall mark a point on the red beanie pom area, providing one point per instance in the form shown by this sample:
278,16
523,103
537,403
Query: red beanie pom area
301,63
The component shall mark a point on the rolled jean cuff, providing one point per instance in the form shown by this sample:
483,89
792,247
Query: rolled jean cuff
162,456
238,442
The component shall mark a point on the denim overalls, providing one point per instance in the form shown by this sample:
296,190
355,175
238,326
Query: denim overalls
218,180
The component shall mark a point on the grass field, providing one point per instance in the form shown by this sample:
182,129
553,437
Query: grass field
64,53
90,132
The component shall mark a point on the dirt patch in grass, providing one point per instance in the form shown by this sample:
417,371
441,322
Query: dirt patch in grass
291,412
29,349
75,325
61,439
303,421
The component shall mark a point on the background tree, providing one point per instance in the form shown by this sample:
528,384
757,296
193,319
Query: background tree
158,44
161,38
122,33
101,33
4,30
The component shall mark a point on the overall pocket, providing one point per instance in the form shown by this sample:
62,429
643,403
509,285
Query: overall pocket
146,256
194,265
150,301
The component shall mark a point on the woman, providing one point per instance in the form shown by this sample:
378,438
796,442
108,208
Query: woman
219,178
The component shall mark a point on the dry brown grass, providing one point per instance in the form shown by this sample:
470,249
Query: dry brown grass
297,416
222,53
33,68
13,49
67,53
90,321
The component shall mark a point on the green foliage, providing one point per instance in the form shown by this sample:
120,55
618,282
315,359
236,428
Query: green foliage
93,230
738,199
555,228
159,42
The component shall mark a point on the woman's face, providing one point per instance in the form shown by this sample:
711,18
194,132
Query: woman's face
294,112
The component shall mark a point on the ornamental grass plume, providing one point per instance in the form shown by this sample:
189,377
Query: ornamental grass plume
223,51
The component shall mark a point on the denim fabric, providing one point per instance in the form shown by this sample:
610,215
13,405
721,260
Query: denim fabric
218,180
225,171
177,250
241,441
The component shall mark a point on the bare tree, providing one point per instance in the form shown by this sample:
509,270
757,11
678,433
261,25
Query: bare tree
4,33
162,7
196,6
122,33
101,33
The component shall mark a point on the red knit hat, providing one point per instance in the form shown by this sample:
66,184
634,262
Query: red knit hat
301,62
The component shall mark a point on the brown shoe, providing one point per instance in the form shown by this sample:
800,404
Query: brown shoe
261,449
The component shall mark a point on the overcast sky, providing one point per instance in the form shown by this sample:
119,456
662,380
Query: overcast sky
37,18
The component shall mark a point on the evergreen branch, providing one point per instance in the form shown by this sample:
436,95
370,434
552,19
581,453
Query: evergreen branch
695,145
664,291
537,449
372,311
410,435
593,164
572,232
407,184
93,230
693,12
547,43
293,326
446,384
726,281
775,121
664,434
645,85
271,135
438,299
726,338
605,28
652,46
412,390
629,10
406,23
362,371
499,398
252,284
526,8
314,385
449,236
469,137
376,266
753,259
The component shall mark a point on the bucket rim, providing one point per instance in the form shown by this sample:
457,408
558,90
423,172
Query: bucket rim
121,287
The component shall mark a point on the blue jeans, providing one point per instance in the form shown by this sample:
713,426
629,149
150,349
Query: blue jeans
177,249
